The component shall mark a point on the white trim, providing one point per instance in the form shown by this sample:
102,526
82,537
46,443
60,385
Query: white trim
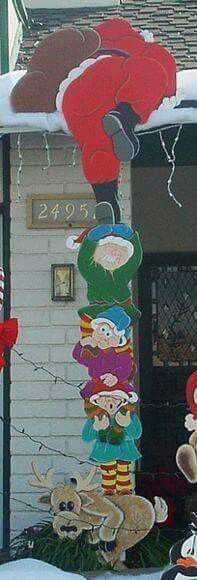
71,3
131,397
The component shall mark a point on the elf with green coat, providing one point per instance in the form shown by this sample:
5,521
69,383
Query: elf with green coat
109,257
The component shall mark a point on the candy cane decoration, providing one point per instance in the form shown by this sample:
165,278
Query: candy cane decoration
2,277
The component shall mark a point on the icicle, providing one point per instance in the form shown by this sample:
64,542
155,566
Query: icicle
18,179
171,160
47,152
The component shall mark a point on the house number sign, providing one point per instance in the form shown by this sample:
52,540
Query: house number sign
60,211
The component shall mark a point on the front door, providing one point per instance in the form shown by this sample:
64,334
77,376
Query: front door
168,353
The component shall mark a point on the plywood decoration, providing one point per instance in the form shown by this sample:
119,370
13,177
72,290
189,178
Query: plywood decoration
114,523
183,555
114,518
186,456
104,86
108,258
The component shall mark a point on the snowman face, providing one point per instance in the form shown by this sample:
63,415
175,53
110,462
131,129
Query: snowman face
112,253
189,547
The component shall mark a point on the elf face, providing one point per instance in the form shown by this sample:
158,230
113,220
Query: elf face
109,404
113,252
104,336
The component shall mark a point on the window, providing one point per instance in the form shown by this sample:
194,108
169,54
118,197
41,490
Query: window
174,315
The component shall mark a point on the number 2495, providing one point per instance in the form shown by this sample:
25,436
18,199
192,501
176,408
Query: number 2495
69,209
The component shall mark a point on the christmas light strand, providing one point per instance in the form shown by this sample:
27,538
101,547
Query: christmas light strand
19,171
42,445
172,161
40,367
93,527
47,149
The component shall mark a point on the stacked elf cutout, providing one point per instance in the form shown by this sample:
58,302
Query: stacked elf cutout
109,257
113,517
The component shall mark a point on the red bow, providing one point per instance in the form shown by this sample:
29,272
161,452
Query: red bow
8,337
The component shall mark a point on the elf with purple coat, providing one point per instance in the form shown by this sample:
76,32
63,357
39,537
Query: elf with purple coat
107,353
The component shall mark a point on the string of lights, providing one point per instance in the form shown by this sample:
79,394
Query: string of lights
93,527
172,161
42,445
40,367
58,378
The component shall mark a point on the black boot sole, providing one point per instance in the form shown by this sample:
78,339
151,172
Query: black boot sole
124,148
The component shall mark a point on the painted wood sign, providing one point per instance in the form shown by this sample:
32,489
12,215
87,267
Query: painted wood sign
60,211
105,84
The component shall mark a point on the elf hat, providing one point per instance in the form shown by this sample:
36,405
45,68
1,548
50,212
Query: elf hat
119,233
131,397
117,319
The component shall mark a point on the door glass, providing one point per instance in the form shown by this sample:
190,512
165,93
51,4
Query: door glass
168,355
174,315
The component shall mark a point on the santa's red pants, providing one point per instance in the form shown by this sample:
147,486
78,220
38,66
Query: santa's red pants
142,81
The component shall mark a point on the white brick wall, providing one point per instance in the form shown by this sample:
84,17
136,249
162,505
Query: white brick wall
50,412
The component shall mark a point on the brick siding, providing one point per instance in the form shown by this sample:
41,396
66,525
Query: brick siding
48,331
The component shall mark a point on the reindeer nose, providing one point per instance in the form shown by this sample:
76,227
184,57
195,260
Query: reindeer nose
68,529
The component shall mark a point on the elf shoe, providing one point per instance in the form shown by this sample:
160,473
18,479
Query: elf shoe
119,124
104,213
107,193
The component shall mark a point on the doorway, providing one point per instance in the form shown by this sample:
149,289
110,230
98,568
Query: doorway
167,353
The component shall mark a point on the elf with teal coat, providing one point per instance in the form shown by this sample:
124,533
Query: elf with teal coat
114,460
108,258
103,451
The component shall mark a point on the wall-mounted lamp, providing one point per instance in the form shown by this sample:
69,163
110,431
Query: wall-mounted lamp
62,282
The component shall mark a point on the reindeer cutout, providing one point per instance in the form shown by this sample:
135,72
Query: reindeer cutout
114,524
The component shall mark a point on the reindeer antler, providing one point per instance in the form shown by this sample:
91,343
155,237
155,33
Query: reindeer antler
84,484
42,481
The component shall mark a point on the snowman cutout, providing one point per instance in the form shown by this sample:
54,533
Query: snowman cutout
183,556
